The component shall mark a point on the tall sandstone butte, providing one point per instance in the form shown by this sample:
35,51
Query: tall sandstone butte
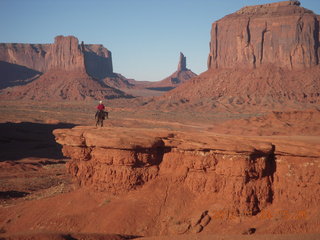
261,57
282,33
64,70
64,54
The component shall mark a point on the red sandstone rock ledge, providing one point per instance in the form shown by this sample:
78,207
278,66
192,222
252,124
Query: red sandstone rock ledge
244,175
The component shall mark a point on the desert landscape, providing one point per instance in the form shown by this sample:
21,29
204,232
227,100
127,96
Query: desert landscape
231,153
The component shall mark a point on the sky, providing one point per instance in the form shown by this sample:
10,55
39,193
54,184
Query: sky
144,36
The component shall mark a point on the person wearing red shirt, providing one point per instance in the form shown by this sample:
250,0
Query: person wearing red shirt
100,106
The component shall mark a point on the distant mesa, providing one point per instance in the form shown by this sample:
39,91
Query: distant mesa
58,71
67,70
260,56
64,54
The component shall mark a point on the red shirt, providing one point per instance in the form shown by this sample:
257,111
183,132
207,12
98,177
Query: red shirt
100,107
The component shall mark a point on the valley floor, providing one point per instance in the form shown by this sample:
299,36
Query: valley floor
33,175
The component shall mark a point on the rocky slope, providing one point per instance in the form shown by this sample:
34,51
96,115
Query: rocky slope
264,88
266,55
58,85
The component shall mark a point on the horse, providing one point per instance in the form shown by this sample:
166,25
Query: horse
100,116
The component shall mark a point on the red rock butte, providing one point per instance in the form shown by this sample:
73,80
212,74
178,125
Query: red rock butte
260,56
64,54
58,71
283,34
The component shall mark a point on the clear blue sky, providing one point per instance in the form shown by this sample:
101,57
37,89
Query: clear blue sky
144,36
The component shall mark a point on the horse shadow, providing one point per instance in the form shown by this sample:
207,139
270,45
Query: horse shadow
27,139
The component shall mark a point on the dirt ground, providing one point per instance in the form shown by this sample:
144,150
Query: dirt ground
32,166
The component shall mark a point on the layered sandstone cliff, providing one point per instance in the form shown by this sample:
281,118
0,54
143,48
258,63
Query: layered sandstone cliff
283,34
241,176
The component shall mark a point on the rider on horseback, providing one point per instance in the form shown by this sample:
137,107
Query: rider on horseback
100,114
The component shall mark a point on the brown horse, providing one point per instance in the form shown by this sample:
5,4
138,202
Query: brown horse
100,116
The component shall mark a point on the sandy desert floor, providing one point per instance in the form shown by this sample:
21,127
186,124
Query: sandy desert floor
33,167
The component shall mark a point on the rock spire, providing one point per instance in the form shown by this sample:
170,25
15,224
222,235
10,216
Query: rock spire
182,66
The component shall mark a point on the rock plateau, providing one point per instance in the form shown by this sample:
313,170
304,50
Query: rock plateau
229,175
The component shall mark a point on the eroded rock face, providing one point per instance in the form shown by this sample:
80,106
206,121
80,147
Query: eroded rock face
241,175
283,34
64,54
118,161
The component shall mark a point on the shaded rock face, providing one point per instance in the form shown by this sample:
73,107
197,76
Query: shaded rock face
12,74
283,34
98,60
64,54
